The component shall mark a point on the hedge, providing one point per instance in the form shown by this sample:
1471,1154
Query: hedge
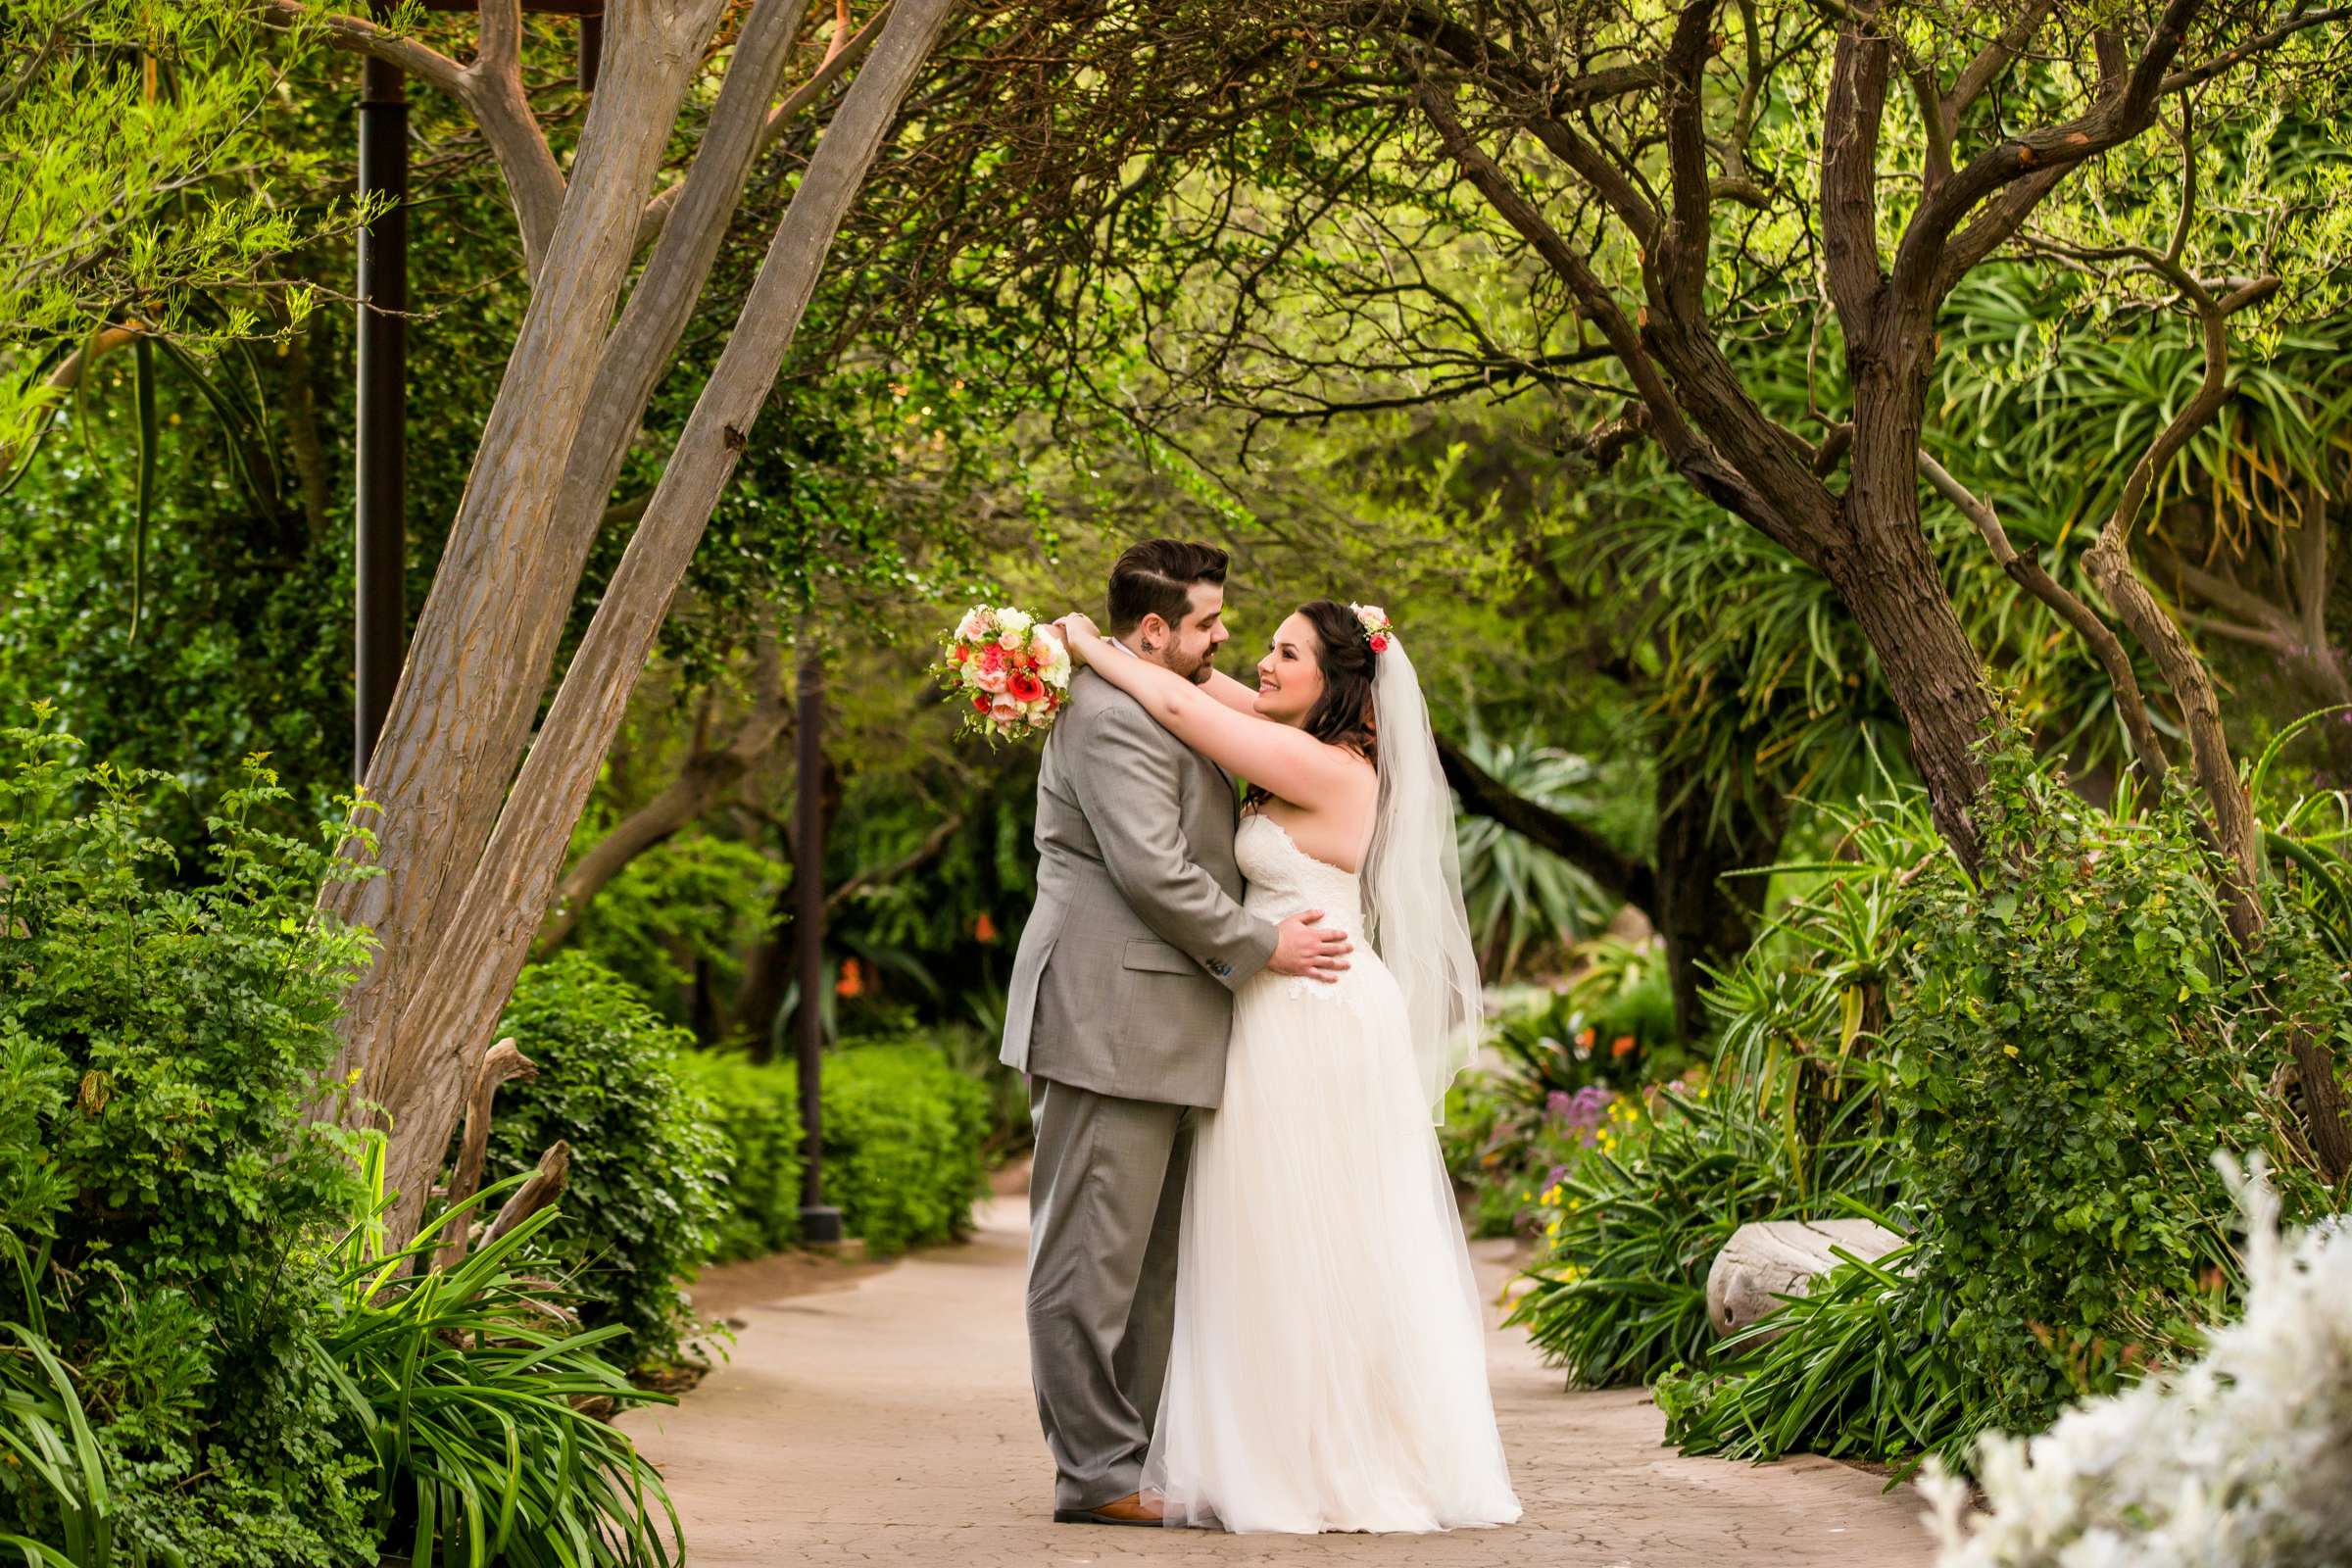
903,1135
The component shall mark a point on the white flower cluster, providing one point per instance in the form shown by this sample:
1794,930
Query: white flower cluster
2239,1459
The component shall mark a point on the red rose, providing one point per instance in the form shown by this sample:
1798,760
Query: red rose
958,654
1380,642
1023,687
980,704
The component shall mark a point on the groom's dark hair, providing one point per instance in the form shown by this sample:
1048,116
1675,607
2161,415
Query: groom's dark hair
1156,578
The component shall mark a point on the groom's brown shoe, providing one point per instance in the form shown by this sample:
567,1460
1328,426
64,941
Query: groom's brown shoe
1131,1509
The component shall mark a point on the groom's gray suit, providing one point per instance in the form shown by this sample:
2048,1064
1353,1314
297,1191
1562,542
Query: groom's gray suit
1119,1009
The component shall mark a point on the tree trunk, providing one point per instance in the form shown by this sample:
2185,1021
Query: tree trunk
1882,570
461,928
1703,918
441,766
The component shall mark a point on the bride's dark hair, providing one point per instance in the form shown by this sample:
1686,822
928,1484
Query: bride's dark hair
1342,715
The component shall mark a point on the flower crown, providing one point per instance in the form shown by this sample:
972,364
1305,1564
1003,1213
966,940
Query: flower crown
1377,627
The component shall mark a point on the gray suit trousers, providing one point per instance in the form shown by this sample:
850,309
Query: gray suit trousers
1106,1199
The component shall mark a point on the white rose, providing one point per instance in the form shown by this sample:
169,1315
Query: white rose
1016,622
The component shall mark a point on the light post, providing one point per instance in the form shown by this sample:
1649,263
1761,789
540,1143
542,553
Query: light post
820,1222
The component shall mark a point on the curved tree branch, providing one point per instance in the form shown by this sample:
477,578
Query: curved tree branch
1617,874
2029,574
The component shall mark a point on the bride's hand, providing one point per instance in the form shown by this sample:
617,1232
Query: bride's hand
1078,634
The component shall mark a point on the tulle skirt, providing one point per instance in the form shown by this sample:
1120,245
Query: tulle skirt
1328,1370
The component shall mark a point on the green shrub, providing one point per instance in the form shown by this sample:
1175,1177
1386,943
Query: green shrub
163,1199
467,1386
2069,1044
905,1134
903,1137
1614,1024
643,1201
1633,1223
971,1049
1856,1368
757,1111
695,901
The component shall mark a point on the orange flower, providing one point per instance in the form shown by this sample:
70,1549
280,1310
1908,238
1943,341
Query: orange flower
853,980
1622,1046
1586,1039
984,929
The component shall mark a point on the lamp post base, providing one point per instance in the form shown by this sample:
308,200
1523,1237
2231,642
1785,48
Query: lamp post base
820,1225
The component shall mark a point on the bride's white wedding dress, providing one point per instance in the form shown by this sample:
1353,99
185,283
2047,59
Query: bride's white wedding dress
1329,1365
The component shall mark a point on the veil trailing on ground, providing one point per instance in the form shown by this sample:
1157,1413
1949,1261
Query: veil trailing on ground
1413,882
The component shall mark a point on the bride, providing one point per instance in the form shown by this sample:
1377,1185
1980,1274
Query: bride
1329,1370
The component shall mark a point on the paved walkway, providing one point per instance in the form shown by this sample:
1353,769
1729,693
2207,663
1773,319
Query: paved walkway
892,1423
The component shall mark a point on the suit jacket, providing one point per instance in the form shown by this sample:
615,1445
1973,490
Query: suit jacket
1123,982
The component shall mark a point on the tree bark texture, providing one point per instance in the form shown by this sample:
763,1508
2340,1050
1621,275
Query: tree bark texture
485,921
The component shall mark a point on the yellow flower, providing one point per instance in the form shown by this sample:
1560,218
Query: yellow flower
1552,1230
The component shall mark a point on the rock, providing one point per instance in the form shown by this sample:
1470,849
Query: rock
1772,1258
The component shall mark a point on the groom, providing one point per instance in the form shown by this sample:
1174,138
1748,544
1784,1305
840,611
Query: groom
1120,1001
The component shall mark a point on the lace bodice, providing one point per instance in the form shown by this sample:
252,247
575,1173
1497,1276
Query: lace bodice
1285,879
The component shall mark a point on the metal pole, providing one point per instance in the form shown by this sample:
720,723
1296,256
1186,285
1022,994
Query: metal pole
819,1221
380,616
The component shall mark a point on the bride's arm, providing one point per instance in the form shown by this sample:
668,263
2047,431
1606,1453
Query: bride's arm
1219,685
1232,692
1289,763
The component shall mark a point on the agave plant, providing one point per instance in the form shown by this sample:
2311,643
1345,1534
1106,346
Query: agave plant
1801,1009
44,1430
2308,834
481,1399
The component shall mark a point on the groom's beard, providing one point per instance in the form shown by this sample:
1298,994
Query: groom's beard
1200,671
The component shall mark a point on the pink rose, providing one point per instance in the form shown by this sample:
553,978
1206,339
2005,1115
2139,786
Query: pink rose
987,679
1004,711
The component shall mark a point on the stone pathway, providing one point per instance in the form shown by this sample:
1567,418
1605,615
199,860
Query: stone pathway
892,1423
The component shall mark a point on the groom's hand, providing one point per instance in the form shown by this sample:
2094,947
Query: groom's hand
1300,949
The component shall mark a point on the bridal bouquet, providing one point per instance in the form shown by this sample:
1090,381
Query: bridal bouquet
1012,675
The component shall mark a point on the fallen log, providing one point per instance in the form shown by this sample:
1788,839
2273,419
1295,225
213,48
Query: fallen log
1768,1259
